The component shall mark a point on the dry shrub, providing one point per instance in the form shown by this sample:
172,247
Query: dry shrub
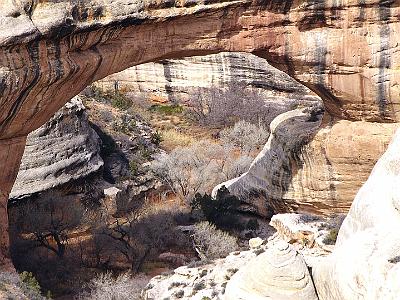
245,135
199,167
174,138
107,287
211,243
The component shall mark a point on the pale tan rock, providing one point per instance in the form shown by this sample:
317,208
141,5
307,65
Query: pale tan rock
299,228
255,242
328,171
270,172
279,273
110,202
365,263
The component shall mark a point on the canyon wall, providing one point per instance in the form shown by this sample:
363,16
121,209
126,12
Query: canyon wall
347,52
322,176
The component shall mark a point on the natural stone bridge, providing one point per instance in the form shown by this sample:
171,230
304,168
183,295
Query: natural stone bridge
345,51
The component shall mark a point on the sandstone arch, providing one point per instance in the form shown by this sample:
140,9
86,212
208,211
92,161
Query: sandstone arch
346,51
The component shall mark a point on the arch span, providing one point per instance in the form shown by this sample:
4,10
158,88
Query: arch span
50,50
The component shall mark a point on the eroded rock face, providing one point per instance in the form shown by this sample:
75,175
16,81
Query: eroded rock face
278,273
325,174
66,148
179,80
365,263
270,174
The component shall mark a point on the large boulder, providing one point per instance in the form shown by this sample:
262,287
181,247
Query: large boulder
280,273
64,149
365,263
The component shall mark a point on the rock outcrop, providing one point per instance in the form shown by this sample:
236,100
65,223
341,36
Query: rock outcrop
179,80
64,149
278,273
252,274
365,263
347,52
325,174
270,173
199,279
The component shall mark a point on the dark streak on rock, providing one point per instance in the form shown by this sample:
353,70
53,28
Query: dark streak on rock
168,79
361,16
384,56
315,16
276,6
33,50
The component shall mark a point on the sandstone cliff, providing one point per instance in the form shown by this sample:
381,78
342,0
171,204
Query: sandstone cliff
66,148
347,52
177,80
365,263
322,177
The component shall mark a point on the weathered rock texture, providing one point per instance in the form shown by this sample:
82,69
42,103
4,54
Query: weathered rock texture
253,274
347,52
177,80
278,273
322,176
270,173
64,149
365,263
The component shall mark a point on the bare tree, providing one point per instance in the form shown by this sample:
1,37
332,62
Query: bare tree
107,287
199,167
49,221
142,232
221,107
245,135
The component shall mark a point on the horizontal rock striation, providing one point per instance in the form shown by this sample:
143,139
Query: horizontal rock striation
179,80
325,174
64,149
278,273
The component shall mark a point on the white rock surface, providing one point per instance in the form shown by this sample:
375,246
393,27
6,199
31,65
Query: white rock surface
270,173
280,273
66,148
365,263
255,242
195,282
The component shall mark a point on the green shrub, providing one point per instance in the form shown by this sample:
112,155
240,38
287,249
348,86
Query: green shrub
119,101
156,138
133,168
30,282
